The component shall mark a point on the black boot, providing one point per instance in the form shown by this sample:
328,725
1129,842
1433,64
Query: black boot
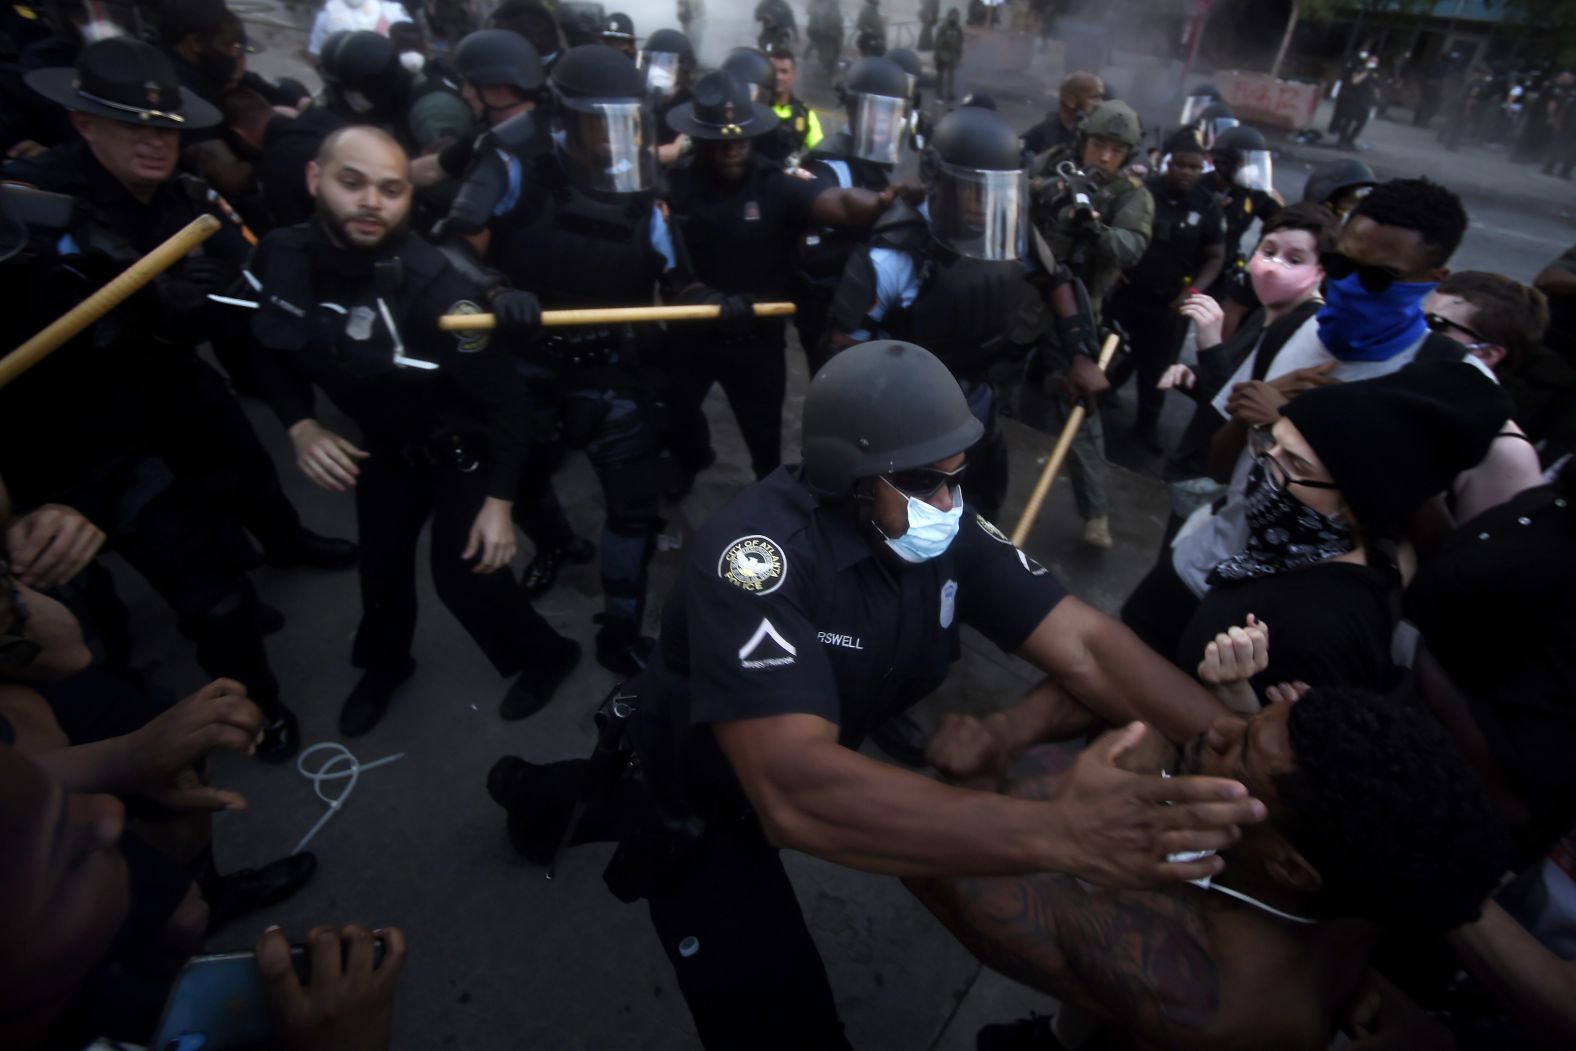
312,551
234,895
620,647
539,799
542,572
370,698
534,688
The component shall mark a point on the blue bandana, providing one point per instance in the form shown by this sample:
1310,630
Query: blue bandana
1357,325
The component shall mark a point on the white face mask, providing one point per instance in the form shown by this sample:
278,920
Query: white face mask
414,61
354,5
930,532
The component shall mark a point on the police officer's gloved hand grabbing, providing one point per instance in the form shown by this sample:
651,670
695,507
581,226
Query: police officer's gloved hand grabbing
518,312
738,311
188,286
1084,381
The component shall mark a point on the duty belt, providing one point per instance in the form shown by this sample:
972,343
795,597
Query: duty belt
583,348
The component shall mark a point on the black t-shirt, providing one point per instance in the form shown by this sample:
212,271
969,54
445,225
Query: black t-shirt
783,606
1049,134
1330,625
1185,224
741,237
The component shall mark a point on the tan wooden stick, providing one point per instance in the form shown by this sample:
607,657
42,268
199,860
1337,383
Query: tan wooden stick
107,298
1053,466
613,316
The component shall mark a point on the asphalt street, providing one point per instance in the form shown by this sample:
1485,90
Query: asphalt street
501,958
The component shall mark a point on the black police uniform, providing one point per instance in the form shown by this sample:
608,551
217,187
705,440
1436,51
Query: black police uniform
575,249
784,605
1185,224
740,238
824,251
143,437
441,441
1241,207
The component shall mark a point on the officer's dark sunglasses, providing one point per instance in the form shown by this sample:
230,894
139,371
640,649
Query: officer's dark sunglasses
1376,279
920,482
1443,325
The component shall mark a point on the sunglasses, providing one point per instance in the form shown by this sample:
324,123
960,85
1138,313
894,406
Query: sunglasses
1444,326
920,482
1375,279
1260,442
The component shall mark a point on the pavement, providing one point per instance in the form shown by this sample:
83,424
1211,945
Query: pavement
501,958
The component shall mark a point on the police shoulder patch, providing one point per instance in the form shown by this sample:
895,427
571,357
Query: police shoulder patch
470,340
755,563
990,529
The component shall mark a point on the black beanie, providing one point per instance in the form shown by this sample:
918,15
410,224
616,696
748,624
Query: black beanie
1393,442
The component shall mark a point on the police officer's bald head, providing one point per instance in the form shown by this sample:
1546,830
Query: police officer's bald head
361,180
1082,91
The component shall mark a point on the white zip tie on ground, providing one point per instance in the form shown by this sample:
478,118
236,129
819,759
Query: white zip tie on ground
341,766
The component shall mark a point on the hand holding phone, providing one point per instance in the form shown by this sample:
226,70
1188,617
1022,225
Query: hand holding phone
348,1002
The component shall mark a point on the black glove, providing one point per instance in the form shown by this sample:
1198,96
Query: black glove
518,312
1076,336
738,314
208,274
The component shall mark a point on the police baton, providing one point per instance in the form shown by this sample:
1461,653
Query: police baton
1053,466
107,298
613,316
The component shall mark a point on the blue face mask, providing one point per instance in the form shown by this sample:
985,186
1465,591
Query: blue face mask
930,532
1358,325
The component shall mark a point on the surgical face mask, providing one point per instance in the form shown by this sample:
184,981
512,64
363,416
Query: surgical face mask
1275,281
358,102
930,531
414,61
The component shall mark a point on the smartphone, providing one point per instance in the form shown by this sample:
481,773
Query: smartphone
218,1002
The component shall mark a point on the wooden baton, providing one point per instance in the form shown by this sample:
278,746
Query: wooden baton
109,297
1053,466
613,316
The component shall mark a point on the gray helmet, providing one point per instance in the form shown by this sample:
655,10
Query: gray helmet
490,57
879,407
1331,179
1114,120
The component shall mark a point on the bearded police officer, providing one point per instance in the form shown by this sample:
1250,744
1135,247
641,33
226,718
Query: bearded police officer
1097,220
816,604
350,304
740,216
584,230
863,154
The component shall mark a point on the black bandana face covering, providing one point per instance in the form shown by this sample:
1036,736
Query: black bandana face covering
1283,533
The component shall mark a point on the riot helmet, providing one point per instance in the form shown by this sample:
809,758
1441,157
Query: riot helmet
668,62
1333,181
494,57
910,64
1216,119
1197,101
362,74
1243,152
601,121
977,190
880,407
750,67
873,97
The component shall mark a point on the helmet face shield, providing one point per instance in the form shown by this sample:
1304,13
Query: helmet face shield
979,214
606,140
1256,172
1214,128
662,73
877,127
1193,108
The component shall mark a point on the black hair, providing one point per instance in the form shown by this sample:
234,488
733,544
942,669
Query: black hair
179,19
1398,826
1184,140
1434,211
778,51
1314,218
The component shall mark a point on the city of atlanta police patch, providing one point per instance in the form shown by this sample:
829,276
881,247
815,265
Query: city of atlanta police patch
754,563
991,530
474,339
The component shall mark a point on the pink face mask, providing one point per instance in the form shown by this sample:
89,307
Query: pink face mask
1276,281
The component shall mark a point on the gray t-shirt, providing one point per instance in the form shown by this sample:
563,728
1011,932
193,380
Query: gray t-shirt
1208,539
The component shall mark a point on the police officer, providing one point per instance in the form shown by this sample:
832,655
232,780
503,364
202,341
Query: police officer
740,216
1243,178
1080,93
870,25
1097,219
669,65
584,230
949,55
1185,257
350,304
364,83
956,273
816,604
863,154
753,69
619,34
133,387
825,32
794,115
